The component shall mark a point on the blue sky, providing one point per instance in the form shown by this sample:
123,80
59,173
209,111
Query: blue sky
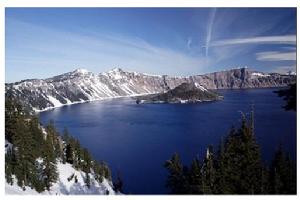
42,42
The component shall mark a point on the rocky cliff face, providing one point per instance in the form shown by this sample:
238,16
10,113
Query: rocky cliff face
243,78
81,85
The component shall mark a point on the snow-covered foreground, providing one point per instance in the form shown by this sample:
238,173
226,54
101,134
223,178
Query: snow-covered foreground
65,187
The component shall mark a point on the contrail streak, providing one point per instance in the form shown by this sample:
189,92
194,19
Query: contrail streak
209,29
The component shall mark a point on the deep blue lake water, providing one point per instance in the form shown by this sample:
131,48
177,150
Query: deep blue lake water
136,140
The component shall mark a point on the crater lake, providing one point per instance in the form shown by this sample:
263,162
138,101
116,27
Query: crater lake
135,140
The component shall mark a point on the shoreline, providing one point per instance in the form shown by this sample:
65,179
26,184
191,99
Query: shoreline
87,101
136,95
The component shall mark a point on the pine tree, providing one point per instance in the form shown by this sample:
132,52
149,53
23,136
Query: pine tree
98,170
241,162
107,172
230,170
37,136
290,96
86,165
87,180
209,172
282,174
220,183
27,139
118,184
13,113
69,154
9,166
49,163
87,161
176,180
25,159
264,180
78,154
53,138
195,178
66,135
250,159
66,156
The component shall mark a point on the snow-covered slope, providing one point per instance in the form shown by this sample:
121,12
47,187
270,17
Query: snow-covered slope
66,187
69,180
82,86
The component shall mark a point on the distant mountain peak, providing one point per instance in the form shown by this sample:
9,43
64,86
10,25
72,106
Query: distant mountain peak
116,69
81,71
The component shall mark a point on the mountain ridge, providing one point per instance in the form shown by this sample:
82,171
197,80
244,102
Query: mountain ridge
81,85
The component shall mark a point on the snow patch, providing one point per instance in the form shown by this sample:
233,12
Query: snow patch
63,186
81,71
259,74
184,101
200,87
54,101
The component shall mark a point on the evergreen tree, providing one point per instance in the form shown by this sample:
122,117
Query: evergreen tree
282,174
229,172
9,162
87,180
13,113
86,165
53,138
25,159
87,161
66,156
107,172
264,181
37,136
209,172
49,163
251,166
241,161
118,184
220,182
78,154
66,136
69,154
98,170
195,178
176,180
290,96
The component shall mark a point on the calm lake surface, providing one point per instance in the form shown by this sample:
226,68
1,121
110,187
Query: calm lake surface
136,140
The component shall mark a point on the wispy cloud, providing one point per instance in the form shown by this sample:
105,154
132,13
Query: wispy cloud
41,47
276,56
189,43
209,29
283,39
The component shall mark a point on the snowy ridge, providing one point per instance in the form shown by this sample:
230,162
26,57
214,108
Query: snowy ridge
83,86
82,71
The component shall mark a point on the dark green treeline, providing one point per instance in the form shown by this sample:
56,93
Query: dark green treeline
33,156
236,167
